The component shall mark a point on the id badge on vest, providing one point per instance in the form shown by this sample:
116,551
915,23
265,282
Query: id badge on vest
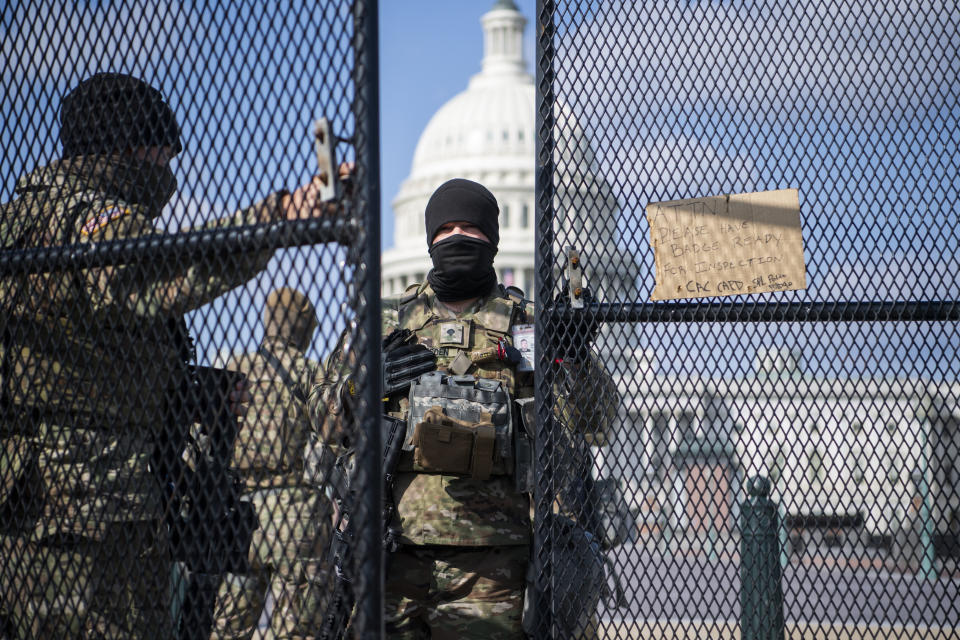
523,340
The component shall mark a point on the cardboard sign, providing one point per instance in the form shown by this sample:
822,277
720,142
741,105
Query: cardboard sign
727,245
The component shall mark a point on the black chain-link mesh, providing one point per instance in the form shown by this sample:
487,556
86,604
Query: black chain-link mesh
168,437
841,400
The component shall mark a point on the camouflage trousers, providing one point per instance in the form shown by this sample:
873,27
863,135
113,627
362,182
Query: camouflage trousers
68,586
456,593
288,557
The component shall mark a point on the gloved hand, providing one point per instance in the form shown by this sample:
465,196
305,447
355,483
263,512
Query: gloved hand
572,339
404,363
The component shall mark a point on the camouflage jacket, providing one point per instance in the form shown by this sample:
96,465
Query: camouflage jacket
89,356
270,444
442,509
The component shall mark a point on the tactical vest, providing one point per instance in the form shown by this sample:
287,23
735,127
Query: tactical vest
457,483
460,425
475,415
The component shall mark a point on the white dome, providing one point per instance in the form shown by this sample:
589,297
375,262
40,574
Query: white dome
487,126
486,134
492,120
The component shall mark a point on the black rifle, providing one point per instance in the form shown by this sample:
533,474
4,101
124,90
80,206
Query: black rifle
403,362
210,527
395,430
338,617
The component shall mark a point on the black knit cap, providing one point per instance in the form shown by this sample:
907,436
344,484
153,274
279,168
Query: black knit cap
463,200
115,112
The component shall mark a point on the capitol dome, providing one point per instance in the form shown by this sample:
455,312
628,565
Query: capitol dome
485,134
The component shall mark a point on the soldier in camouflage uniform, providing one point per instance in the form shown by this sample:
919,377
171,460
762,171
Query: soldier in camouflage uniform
460,571
88,359
288,551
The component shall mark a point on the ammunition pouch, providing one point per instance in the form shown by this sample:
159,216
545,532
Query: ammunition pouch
213,536
19,474
211,527
445,444
459,425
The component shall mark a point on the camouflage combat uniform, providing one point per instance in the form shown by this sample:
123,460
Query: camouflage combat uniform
88,359
460,572
288,552
461,569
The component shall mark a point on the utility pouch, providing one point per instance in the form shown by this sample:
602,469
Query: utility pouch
446,445
19,483
19,474
465,406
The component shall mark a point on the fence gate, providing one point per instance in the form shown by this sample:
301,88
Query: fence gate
750,465
135,502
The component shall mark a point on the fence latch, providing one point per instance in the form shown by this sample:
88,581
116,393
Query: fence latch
325,144
575,278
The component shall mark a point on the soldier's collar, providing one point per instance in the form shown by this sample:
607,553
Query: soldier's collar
52,176
443,311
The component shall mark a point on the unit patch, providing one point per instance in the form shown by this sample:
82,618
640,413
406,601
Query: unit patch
102,218
454,333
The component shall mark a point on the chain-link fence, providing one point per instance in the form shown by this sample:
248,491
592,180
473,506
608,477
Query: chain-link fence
840,399
168,462
749,466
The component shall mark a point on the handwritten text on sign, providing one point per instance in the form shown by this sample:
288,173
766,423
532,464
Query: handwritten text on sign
727,245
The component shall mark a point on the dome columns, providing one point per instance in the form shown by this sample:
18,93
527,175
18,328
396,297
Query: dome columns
503,41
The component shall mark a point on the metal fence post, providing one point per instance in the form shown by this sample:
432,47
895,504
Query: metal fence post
928,557
545,457
368,618
761,595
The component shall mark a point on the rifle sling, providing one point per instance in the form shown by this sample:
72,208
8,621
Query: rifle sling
288,380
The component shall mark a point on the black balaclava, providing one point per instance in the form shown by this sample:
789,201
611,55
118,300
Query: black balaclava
113,112
462,266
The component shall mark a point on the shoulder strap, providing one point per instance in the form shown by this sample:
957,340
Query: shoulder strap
515,295
411,295
277,366
395,302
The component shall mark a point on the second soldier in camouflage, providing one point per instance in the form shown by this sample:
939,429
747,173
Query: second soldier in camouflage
287,553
